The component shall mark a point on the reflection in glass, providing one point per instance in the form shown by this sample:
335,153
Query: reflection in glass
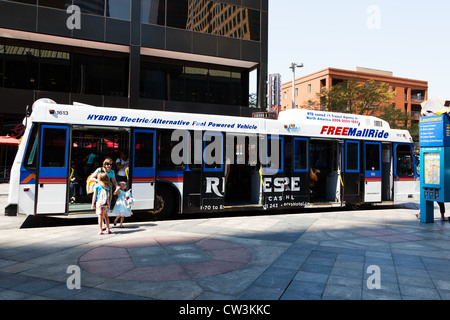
251,24
206,16
202,16
229,20
154,11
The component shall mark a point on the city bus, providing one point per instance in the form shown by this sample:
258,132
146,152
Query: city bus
189,163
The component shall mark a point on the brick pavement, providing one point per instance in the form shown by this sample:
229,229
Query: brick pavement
320,255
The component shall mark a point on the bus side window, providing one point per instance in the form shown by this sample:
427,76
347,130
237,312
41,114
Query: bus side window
143,150
165,147
53,148
404,161
196,150
30,154
300,155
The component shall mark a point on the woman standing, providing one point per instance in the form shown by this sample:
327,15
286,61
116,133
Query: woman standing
106,168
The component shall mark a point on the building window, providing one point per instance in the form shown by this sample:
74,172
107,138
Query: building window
25,1
309,88
48,67
252,18
229,20
177,13
87,74
154,12
21,66
55,4
166,80
120,9
115,76
202,16
153,81
96,7
54,67
207,16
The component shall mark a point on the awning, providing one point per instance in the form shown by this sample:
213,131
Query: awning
10,141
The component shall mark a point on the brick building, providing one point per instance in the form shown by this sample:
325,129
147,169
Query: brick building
409,93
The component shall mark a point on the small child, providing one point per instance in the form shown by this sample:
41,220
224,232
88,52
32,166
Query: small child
123,204
101,200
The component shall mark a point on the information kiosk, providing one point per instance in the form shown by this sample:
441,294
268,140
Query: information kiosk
434,137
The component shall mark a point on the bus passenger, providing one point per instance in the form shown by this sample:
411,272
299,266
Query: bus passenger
122,207
107,168
121,164
76,177
101,200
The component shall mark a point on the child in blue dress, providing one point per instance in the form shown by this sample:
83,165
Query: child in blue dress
122,207
101,200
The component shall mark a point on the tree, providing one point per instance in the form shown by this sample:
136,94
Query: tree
372,98
357,97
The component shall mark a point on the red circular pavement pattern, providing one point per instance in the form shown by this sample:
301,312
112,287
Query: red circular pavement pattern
165,259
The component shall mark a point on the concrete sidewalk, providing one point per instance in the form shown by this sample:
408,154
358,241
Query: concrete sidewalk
321,255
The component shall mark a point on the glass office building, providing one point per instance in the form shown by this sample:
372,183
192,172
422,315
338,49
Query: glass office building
200,56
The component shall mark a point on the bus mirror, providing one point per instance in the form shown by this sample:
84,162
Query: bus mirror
28,111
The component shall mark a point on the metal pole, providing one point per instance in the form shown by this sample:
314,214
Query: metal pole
293,66
293,85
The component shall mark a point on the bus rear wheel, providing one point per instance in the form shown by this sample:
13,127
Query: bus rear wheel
165,203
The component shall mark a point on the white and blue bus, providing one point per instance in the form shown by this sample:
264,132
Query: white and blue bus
185,163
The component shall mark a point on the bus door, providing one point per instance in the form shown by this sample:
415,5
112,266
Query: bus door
387,184
372,172
301,176
404,172
351,172
214,171
143,168
52,174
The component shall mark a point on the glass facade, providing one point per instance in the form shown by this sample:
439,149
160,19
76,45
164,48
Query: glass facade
206,16
28,65
52,67
154,12
184,81
119,9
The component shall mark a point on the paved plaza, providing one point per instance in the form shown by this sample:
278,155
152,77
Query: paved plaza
357,255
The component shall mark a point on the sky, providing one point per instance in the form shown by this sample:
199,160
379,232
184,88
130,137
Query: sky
411,38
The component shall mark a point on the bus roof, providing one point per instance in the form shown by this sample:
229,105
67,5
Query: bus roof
308,123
